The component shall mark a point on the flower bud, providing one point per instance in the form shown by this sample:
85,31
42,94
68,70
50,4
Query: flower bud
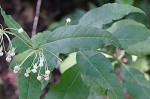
41,60
47,72
68,20
20,30
46,78
16,69
41,64
35,66
34,70
8,59
12,54
26,74
28,70
1,53
39,78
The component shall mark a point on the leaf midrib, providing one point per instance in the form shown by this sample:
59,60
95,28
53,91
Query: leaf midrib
136,80
75,38
99,73
71,84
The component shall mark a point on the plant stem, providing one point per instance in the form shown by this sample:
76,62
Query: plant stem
36,18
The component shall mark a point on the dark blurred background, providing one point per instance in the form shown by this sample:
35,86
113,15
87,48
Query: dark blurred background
52,15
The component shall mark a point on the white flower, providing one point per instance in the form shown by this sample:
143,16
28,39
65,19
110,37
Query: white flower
26,74
39,78
35,66
41,64
41,60
28,70
46,78
20,30
47,72
34,70
16,69
12,54
8,59
68,20
1,53
134,58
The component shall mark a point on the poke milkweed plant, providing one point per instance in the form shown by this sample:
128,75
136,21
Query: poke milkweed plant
93,74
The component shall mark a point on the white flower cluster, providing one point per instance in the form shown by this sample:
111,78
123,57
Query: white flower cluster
40,59
11,52
38,63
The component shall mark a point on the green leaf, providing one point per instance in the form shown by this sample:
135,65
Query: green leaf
70,86
135,83
29,87
74,38
40,38
97,73
134,38
11,23
18,59
107,14
94,96
19,45
51,58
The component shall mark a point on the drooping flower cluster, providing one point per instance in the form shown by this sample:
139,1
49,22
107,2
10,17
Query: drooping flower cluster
11,52
38,65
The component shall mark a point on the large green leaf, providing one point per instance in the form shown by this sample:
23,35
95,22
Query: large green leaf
133,37
107,14
70,86
135,83
73,38
97,73
11,23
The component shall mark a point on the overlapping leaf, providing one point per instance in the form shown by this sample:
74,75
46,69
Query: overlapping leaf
133,37
71,86
135,83
74,38
97,73
107,14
